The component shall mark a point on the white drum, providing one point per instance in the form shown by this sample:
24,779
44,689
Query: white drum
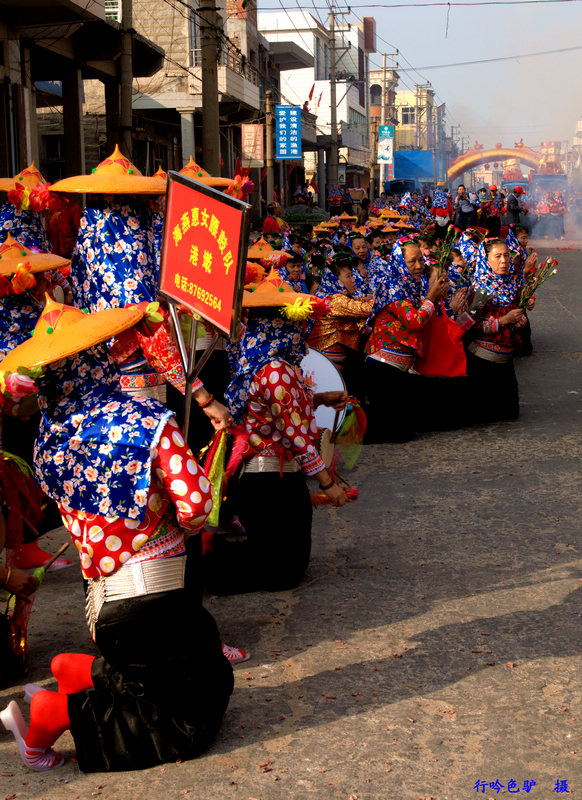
323,376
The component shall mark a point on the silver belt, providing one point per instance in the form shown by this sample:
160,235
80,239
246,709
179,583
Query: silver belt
133,580
489,355
270,464
403,367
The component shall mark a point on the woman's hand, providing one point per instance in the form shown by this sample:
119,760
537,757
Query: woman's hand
18,582
458,301
530,303
337,400
512,317
336,495
438,286
218,415
530,263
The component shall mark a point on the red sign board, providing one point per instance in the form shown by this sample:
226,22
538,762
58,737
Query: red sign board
252,146
204,251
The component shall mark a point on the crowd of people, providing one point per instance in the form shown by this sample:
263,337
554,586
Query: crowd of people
419,314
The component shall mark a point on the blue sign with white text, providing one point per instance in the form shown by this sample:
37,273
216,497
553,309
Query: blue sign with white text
288,131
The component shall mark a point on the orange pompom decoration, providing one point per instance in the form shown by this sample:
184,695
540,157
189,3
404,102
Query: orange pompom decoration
15,195
254,273
40,197
23,279
275,260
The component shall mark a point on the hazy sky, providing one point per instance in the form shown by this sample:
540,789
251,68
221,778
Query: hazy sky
538,99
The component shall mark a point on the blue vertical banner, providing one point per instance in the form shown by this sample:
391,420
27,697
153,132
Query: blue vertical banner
386,151
288,132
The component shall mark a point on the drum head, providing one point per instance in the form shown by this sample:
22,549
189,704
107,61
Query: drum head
323,376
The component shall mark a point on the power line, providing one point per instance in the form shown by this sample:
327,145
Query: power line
446,4
500,58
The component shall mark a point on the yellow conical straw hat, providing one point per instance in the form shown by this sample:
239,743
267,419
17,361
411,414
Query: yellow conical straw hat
12,253
62,331
114,175
29,178
197,173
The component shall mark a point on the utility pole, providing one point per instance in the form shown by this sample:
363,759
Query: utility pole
269,145
126,79
210,115
333,160
383,117
373,156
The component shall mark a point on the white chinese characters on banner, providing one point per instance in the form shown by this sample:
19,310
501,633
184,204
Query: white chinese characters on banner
288,132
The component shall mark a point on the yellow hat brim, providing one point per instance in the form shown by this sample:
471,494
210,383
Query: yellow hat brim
91,329
39,262
110,184
276,299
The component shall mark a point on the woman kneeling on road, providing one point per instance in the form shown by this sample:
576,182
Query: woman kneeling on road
494,393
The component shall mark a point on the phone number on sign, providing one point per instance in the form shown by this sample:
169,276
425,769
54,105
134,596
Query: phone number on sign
198,292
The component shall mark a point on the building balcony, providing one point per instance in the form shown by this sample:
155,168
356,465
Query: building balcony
237,80
31,13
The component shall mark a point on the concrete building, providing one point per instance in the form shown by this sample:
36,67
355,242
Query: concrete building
47,51
167,106
310,87
420,120
380,81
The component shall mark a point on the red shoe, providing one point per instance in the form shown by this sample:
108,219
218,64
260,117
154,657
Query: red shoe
31,556
234,654
40,759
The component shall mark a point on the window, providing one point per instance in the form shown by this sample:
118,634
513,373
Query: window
113,10
408,115
326,69
318,75
358,122
54,147
375,95
195,55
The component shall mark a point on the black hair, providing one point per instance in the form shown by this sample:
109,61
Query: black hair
264,312
456,252
342,248
341,261
310,280
271,209
520,229
372,235
293,256
491,243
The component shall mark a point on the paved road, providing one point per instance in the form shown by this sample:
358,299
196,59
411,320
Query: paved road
436,640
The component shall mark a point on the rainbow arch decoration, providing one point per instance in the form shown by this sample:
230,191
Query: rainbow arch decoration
477,155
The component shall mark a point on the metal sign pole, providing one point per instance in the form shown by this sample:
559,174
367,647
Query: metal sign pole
189,368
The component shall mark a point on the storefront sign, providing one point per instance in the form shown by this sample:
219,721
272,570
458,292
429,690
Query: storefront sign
385,144
252,146
288,129
204,251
